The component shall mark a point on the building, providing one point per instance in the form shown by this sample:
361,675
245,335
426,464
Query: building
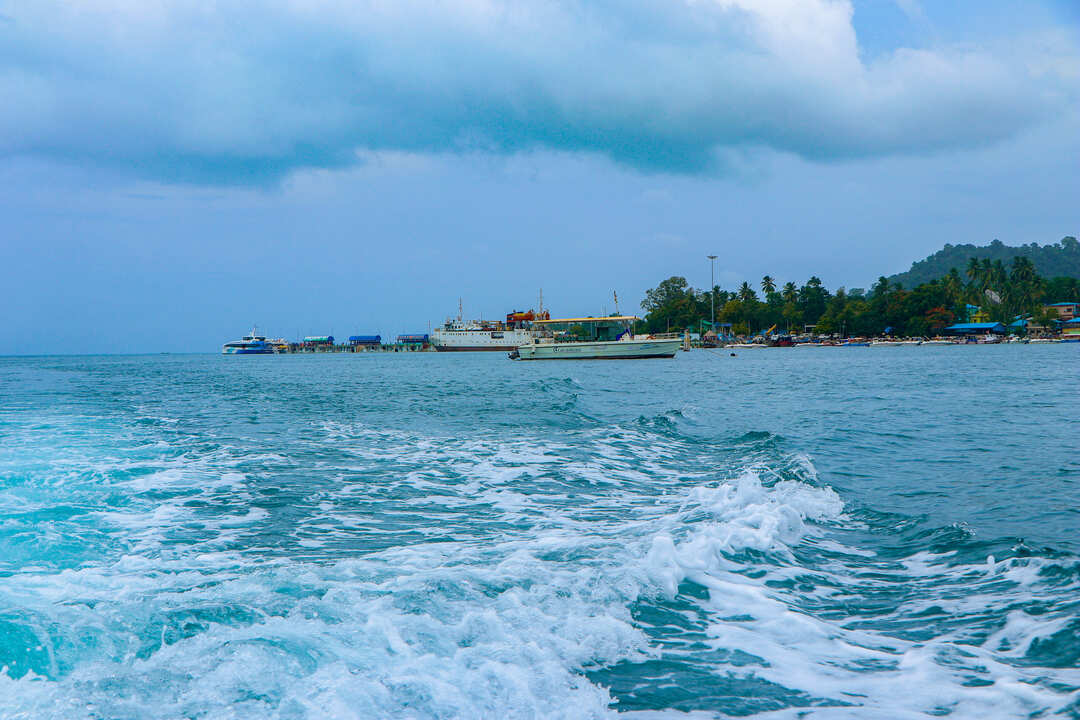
974,314
976,328
318,343
1065,311
1071,330
414,341
365,342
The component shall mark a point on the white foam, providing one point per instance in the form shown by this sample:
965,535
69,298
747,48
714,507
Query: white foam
493,623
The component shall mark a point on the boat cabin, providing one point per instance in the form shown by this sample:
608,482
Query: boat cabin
589,329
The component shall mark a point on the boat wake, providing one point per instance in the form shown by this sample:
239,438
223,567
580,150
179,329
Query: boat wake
602,569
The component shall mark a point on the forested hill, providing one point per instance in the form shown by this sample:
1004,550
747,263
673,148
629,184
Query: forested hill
1061,259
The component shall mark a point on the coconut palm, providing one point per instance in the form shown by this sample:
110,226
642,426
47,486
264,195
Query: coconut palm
973,270
1023,284
790,292
768,285
986,274
954,287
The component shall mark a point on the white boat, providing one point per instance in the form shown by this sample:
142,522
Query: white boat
603,338
938,342
253,344
457,335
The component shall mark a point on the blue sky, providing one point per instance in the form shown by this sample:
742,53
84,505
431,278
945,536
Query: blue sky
171,173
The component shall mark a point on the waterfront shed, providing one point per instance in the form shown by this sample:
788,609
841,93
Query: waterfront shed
414,341
976,328
365,342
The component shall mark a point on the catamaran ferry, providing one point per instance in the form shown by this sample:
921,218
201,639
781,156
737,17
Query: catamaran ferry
253,344
479,335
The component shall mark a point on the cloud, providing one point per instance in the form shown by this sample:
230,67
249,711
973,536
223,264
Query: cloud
244,92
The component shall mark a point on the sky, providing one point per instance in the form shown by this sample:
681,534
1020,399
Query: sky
172,172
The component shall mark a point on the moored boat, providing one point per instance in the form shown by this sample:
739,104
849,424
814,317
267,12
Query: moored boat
459,335
603,338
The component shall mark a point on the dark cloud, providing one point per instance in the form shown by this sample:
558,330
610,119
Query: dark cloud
245,92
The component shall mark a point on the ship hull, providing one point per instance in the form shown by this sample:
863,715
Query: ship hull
479,340
610,350
247,351
474,348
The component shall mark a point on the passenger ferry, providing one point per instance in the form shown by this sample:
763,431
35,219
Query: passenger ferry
253,344
457,335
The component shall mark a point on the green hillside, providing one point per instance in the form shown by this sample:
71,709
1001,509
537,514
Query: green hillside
1061,259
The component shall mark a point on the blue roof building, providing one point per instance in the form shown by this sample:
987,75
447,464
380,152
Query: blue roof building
980,328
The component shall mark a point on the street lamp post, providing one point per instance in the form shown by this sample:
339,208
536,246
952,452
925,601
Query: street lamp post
712,291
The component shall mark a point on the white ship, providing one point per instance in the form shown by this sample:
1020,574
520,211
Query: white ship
479,335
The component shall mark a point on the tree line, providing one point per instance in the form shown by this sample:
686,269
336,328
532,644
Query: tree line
1003,293
1060,259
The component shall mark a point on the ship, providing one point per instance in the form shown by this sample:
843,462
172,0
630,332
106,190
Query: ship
459,335
253,344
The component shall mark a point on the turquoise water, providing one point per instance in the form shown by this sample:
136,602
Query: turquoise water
822,533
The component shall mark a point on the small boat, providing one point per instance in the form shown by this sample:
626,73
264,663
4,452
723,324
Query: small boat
938,342
859,343
603,338
253,344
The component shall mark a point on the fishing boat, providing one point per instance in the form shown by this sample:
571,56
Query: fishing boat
589,338
253,344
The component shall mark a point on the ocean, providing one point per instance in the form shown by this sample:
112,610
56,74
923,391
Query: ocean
787,533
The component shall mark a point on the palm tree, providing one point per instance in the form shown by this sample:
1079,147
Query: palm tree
768,285
986,273
975,281
790,292
954,287
1023,285
746,293
973,270
998,275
